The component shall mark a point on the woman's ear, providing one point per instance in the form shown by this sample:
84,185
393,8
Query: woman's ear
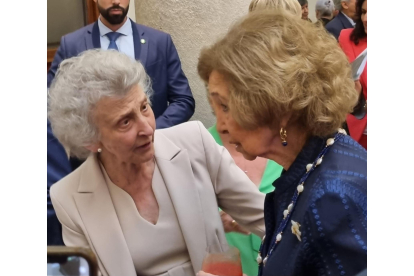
94,147
284,122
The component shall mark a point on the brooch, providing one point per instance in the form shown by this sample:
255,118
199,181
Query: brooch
295,229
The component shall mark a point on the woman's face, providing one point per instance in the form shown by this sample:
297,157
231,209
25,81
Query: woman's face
364,16
126,127
305,11
251,143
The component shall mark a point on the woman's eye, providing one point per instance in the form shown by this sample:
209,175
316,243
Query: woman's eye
224,107
125,122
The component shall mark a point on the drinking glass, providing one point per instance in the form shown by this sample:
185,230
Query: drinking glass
222,259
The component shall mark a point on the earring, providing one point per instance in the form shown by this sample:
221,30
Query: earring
99,150
283,136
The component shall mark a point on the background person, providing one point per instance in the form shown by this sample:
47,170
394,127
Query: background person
353,42
305,9
344,19
289,5
324,11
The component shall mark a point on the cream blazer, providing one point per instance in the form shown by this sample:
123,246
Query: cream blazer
200,176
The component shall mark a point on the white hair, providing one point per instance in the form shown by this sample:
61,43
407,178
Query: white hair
338,4
291,6
325,7
78,86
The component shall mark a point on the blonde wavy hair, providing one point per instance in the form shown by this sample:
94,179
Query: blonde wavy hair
275,65
289,5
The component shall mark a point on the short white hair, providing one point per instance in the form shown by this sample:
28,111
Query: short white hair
79,84
338,4
325,7
291,6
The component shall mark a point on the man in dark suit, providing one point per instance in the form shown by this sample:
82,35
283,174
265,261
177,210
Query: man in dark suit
172,101
344,19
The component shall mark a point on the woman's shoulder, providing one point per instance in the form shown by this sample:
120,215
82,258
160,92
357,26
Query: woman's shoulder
345,37
343,172
70,183
189,135
346,33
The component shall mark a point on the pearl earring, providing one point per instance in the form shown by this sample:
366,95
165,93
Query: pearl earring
99,150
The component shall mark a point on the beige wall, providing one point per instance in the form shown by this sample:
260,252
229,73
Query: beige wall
192,25
311,5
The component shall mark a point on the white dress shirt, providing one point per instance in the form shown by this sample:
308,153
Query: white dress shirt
125,42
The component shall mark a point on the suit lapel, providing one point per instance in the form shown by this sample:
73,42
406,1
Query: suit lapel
345,22
101,222
175,167
96,37
141,49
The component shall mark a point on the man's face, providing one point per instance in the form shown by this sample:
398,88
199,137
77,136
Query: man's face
350,8
114,11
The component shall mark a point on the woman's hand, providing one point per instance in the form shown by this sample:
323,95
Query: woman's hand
358,86
230,225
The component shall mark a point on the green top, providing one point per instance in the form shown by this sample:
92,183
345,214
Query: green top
248,245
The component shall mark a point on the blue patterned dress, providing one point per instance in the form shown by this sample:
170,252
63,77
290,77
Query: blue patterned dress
332,212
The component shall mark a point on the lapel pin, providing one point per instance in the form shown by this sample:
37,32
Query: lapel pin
295,229
143,41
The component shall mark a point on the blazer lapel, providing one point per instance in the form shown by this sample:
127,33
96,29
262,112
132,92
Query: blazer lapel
140,48
345,22
94,40
101,222
175,167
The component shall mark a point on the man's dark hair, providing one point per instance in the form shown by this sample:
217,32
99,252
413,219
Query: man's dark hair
303,2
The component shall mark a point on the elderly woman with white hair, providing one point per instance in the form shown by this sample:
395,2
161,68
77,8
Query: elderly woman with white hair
145,200
324,10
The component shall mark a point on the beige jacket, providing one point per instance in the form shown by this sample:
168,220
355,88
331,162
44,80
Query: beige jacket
200,176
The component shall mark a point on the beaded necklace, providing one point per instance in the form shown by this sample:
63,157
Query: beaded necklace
288,212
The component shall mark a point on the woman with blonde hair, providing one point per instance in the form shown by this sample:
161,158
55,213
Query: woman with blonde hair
292,6
284,89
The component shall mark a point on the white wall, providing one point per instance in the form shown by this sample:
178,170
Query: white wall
192,24
131,11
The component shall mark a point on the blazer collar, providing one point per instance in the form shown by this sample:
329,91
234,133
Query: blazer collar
175,167
345,22
97,211
95,207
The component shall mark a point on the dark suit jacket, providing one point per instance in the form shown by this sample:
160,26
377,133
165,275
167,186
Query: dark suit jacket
337,24
172,101
57,166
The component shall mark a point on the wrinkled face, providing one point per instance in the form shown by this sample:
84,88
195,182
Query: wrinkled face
251,143
350,8
114,11
305,11
126,127
364,16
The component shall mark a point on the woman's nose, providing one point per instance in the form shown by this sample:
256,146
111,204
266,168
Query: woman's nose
144,127
221,126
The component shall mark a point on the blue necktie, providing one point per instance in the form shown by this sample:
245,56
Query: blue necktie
112,38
